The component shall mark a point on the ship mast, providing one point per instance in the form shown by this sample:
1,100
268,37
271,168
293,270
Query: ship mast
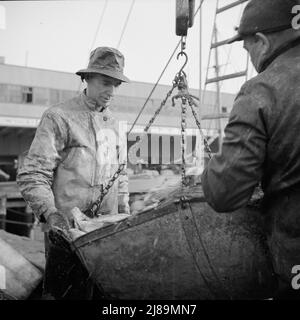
218,115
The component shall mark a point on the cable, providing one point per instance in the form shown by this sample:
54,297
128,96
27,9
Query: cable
162,73
125,24
99,24
97,31
135,121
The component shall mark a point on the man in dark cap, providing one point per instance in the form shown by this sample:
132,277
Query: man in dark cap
74,152
261,143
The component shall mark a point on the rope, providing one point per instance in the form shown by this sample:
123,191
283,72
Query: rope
153,89
162,73
211,266
207,283
97,31
99,24
125,24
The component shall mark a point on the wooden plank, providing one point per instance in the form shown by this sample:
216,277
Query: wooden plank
16,204
219,43
215,116
227,77
2,212
32,250
232,5
21,276
10,190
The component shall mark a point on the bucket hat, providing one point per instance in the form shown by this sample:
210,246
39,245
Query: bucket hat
106,61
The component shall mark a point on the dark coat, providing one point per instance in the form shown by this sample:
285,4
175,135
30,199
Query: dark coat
262,144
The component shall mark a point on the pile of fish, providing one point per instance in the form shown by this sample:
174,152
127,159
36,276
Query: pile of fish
84,224
143,202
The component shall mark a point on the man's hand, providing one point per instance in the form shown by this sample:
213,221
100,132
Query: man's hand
123,203
56,220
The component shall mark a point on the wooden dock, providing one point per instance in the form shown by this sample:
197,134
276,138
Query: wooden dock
11,199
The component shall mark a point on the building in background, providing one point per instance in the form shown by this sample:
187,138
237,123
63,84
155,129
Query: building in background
25,93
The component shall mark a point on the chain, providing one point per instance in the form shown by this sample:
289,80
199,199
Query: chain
185,95
183,127
181,83
206,144
134,147
175,83
92,211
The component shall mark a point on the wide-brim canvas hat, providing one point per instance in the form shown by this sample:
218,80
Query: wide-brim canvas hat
106,61
265,16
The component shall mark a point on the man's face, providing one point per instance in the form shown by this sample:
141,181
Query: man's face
258,49
252,46
102,89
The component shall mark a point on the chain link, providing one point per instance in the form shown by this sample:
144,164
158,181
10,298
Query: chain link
206,144
181,83
135,146
92,211
157,112
184,94
183,128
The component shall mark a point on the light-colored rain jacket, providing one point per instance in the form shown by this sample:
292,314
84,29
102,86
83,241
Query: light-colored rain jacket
74,151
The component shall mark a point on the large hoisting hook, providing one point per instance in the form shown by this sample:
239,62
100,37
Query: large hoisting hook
182,53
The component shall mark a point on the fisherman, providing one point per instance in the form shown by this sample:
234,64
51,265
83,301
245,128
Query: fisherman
262,143
75,150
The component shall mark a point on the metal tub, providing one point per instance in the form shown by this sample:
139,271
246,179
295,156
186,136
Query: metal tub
180,250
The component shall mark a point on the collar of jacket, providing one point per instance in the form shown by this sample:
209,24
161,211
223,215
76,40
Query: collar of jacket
279,51
91,103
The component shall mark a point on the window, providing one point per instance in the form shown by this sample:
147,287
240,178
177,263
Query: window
66,95
3,93
33,95
41,96
27,95
224,109
54,96
14,93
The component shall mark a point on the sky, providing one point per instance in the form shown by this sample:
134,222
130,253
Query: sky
59,35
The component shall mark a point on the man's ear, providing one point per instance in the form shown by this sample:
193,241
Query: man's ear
265,43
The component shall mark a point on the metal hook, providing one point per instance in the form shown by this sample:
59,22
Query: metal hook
182,53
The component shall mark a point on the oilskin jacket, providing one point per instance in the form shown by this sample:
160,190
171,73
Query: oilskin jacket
74,151
262,144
